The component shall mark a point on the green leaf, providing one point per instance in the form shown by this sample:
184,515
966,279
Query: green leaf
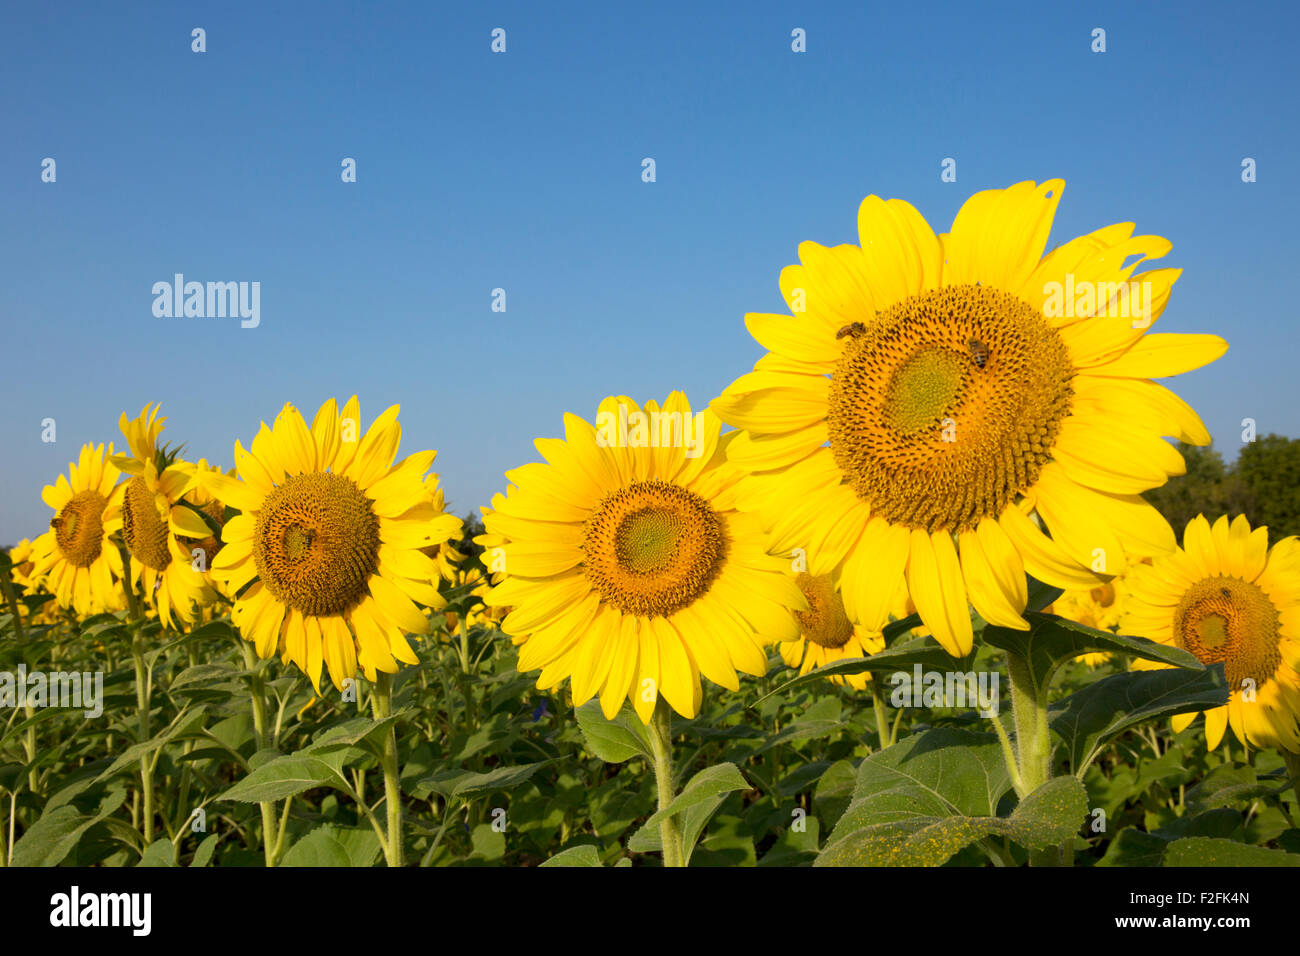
1226,785
940,779
329,845
575,856
1090,717
1040,594
53,836
1208,851
819,720
185,723
203,674
488,842
617,740
282,777
1047,817
1134,847
1052,642
697,803
203,855
925,651
464,783
159,853
354,732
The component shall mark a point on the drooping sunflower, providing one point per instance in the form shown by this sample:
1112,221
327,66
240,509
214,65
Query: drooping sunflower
75,560
934,404
325,556
1225,596
628,565
156,523
826,634
200,496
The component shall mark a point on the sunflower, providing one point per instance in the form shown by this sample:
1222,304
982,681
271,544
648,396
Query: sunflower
75,560
156,523
23,563
325,556
214,514
473,584
628,565
445,557
20,557
1226,597
932,409
826,634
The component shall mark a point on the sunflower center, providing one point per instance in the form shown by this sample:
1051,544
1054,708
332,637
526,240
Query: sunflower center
924,388
316,543
652,548
1226,619
946,406
79,529
1104,594
143,528
825,621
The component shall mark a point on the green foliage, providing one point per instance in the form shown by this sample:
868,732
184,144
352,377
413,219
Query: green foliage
1269,467
788,772
1263,484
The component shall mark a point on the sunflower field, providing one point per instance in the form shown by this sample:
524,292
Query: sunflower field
893,598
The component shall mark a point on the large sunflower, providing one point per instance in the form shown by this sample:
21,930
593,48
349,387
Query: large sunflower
325,555
826,634
932,405
75,560
1226,597
156,524
628,565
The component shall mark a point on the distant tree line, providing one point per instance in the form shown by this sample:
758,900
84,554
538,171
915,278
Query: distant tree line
1263,484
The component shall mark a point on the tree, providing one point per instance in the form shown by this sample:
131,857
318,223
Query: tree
1209,487
1269,469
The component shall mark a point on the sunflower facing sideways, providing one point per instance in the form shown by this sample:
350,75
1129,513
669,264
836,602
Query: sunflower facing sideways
155,521
826,634
325,557
934,402
75,560
1225,596
629,568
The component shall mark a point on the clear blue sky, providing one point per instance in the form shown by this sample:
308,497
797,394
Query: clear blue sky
522,171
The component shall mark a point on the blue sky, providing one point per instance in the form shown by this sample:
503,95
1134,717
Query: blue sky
522,171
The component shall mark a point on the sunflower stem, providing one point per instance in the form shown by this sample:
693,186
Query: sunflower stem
143,697
464,647
1034,746
382,701
143,701
882,716
661,743
257,697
